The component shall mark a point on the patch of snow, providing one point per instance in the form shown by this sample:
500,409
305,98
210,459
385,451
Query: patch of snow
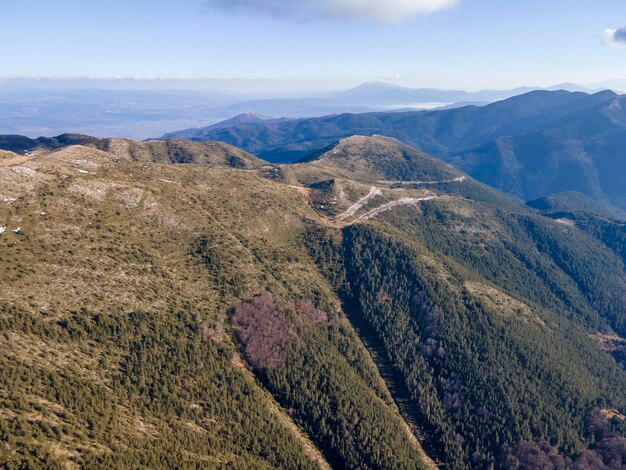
17,230
86,172
2,229
9,199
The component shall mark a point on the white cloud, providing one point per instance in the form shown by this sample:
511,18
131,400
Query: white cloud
615,37
378,10
384,10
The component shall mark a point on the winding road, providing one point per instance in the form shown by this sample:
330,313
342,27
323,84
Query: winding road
374,191
405,201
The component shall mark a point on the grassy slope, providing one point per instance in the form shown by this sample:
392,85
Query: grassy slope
114,305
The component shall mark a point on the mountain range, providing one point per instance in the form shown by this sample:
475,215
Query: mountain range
145,108
530,145
368,306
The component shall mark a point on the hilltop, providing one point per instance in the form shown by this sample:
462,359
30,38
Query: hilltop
379,158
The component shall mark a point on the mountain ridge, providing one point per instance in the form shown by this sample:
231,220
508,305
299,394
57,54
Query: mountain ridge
157,151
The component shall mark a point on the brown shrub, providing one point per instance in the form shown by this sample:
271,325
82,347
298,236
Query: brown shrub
268,327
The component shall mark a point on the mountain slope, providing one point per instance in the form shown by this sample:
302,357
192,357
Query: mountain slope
132,362
580,152
213,317
466,296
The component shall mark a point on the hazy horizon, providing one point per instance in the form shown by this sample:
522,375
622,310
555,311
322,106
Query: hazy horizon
284,88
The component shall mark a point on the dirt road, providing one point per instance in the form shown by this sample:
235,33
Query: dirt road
405,201
374,191
460,179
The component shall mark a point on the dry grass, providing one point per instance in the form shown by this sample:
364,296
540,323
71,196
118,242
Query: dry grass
500,303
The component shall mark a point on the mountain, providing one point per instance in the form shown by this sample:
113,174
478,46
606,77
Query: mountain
244,118
379,158
437,132
367,307
239,120
384,93
581,151
568,86
145,108
530,145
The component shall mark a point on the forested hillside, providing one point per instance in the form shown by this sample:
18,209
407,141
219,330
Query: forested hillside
370,307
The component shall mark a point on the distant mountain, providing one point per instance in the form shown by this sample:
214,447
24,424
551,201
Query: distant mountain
568,86
239,120
244,118
582,150
382,94
529,145
372,96
435,132
148,108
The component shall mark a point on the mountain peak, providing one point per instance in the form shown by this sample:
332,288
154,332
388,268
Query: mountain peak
377,157
238,120
374,85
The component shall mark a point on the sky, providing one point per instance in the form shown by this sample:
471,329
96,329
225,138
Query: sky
469,44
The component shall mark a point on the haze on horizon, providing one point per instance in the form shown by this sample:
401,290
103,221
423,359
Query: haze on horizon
250,45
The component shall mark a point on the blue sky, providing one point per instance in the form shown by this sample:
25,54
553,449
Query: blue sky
468,44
